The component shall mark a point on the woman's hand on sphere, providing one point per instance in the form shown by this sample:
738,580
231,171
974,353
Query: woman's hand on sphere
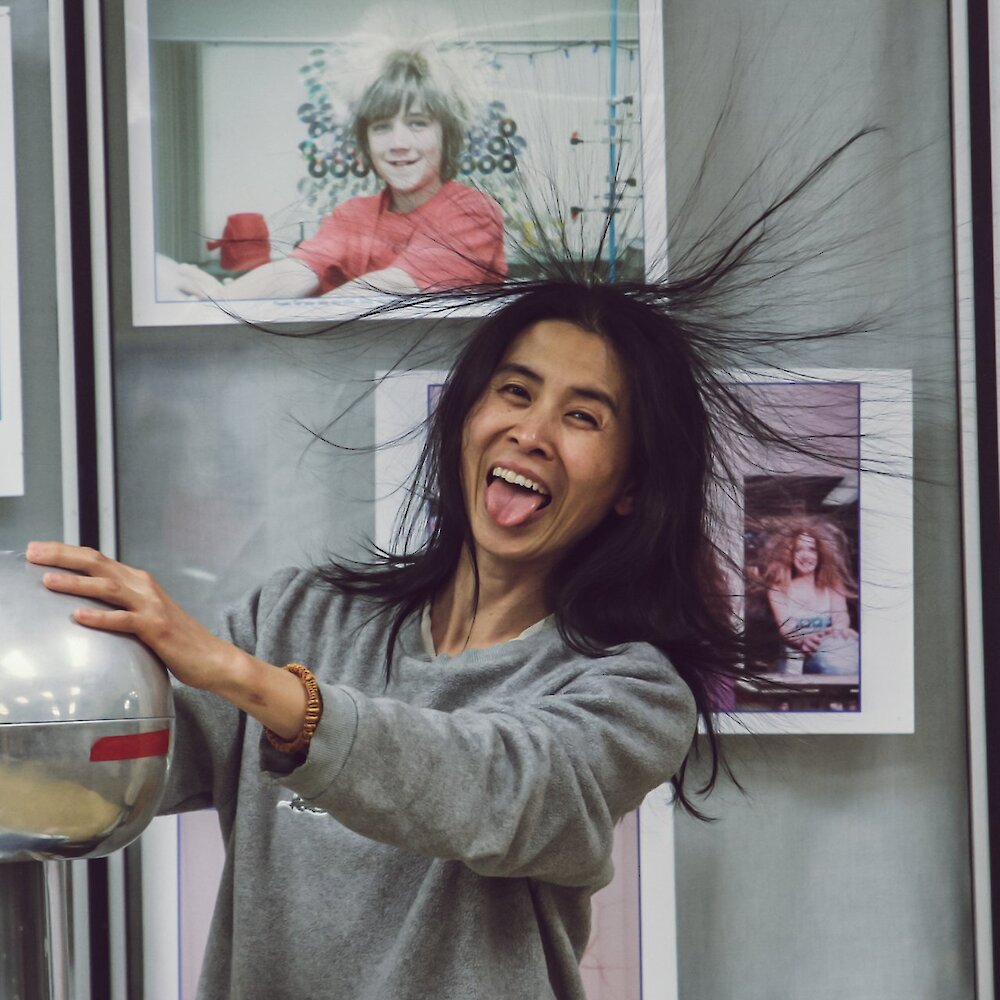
140,607
193,654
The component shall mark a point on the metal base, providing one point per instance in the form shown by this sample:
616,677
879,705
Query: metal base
36,952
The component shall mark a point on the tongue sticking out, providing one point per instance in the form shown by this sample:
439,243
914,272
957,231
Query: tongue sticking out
511,505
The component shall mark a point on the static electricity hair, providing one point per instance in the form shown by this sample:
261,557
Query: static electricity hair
653,576
406,81
657,575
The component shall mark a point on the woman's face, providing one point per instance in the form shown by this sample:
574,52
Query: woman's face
406,152
805,556
546,449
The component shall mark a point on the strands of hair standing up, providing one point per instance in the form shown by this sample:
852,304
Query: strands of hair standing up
658,575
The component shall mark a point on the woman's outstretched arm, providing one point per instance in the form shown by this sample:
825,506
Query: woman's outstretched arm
196,657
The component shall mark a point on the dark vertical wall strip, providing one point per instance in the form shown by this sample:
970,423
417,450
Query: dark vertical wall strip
134,931
79,181
986,394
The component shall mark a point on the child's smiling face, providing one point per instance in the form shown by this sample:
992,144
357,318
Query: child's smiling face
406,152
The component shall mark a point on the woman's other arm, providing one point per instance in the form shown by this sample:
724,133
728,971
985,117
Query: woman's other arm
525,786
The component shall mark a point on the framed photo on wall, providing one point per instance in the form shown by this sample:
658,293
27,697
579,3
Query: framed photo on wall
844,489
823,533
295,145
11,439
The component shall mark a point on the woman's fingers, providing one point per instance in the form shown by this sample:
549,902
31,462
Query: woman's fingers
65,556
139,607
107,621
93,574
99,588
89,562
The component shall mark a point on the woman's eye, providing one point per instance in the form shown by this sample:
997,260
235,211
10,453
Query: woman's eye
512,389
583,417
418,122
379,127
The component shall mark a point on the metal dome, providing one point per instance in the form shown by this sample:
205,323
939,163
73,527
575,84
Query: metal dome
86,726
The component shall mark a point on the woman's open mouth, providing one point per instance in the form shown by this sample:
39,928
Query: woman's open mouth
512,499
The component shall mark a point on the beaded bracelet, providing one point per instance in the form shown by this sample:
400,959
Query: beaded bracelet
314,709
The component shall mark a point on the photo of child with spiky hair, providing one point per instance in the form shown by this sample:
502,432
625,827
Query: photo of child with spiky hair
463,151
421,230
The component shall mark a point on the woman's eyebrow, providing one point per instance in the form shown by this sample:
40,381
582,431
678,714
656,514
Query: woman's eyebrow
516,368
587,392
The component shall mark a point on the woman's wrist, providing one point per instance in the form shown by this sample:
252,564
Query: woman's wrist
276,698
314,712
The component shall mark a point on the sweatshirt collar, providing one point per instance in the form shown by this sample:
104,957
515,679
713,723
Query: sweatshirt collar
427,639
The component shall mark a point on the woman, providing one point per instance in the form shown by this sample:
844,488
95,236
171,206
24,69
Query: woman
424,230
808,584
428,808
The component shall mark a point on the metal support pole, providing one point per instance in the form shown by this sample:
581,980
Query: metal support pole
24,963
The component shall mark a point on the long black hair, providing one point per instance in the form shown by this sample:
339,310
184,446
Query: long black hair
658,575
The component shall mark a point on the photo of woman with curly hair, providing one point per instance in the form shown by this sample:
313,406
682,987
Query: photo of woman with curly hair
809,583
801,572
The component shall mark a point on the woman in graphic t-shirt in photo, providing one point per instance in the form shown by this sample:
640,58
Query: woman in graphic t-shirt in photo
809,583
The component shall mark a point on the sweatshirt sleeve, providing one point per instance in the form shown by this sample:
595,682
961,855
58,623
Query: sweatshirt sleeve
209,731
511,789
205,762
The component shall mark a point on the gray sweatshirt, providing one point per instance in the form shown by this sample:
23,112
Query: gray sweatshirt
445,832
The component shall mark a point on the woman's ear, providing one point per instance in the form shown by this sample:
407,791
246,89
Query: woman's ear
625,504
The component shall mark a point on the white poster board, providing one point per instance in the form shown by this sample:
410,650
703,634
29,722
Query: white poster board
11,441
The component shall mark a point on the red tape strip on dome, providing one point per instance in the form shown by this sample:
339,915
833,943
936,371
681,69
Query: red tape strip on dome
131,746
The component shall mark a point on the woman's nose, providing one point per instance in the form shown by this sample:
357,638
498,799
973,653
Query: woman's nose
533,432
